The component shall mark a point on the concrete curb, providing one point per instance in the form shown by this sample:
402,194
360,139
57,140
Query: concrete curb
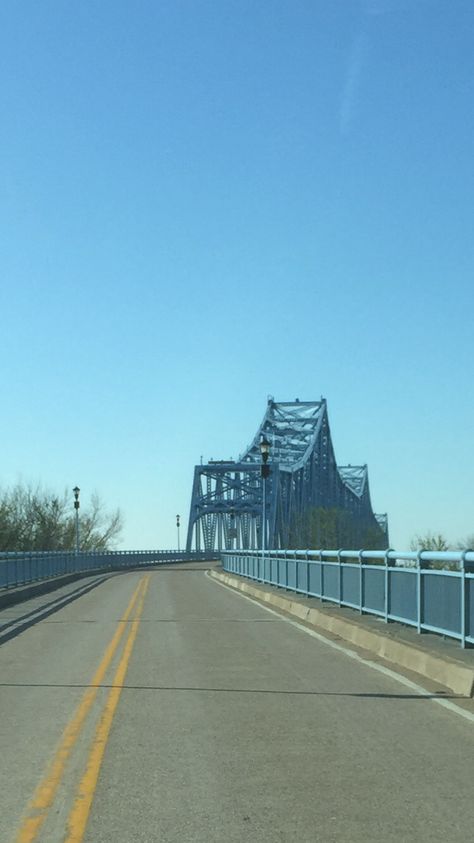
448,672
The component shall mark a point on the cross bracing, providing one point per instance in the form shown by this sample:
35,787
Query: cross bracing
307,496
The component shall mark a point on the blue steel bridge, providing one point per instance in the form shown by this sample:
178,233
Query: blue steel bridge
234,507
156,657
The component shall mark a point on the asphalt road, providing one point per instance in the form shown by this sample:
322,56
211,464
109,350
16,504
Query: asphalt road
160,706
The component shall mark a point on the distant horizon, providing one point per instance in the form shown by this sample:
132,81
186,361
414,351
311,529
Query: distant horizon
67,493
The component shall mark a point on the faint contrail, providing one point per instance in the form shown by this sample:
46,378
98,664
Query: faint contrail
357,58
358,55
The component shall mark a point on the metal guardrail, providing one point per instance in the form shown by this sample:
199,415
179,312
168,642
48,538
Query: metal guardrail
23,568
431,591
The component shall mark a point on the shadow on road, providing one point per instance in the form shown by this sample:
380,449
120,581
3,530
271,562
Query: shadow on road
15,626
356,694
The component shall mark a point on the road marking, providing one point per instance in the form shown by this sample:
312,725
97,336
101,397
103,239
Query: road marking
45,792
450,706
85,792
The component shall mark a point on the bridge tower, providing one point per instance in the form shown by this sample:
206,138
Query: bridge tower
307,496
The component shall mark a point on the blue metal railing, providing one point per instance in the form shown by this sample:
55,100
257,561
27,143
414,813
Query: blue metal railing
23,568
431,591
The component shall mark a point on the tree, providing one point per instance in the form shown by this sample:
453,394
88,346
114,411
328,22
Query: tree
436,543
36,519
429,541
99,529
467,543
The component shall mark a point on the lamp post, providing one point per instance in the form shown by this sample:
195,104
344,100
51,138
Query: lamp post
76,491
265,471
177,525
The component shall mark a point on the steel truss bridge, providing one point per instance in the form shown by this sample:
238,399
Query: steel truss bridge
310,501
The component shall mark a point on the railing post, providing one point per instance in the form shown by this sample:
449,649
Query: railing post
419,605
361,582
322,576
463,599
339,577
307,574
386,587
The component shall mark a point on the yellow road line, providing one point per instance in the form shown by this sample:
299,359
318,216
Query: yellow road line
85,792
45,792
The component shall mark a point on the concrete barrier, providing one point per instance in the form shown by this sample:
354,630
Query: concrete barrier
446,671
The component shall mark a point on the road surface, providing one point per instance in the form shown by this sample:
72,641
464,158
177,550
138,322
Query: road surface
161,706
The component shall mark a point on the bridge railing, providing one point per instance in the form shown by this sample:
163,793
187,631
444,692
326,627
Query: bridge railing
431,591
23,568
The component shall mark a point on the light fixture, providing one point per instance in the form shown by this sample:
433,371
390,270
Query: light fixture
264,448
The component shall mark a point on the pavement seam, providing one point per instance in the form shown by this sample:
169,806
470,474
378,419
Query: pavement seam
15,626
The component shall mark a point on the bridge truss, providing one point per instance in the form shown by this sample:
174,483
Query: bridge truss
307,495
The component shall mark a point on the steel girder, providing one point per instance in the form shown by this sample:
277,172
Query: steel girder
227,498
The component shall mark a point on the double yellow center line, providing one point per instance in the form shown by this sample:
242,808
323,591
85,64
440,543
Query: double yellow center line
46,791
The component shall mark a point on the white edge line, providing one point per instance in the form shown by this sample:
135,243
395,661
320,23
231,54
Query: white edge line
450,706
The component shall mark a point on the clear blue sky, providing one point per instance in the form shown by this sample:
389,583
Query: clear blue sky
204,202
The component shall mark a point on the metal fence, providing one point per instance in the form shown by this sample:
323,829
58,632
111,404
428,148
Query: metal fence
431,591
24,568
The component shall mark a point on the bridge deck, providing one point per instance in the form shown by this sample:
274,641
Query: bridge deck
232,724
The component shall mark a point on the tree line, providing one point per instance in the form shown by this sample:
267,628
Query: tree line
37,519
436,541
333,528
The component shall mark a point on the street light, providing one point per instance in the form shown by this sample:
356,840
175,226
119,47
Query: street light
265,450
177,524
265,471
76,491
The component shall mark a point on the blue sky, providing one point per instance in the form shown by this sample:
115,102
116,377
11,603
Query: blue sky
204,203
